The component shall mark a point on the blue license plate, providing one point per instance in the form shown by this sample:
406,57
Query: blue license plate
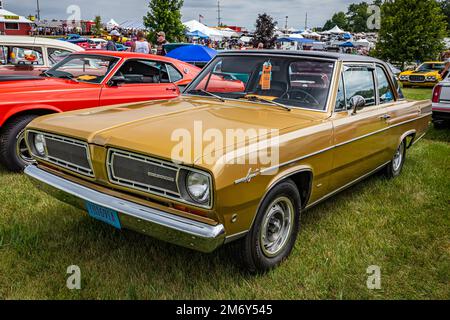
103,214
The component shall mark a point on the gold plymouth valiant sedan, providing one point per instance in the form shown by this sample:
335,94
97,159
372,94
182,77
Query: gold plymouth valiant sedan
255,140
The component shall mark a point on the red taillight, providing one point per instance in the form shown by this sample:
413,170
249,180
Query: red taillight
437,94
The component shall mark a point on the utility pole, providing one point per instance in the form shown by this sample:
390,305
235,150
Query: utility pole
306,22
38,11
219,18
286,25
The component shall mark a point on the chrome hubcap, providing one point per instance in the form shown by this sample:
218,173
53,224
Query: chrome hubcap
277,226
22,149
398,158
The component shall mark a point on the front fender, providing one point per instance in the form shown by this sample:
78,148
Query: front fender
11,112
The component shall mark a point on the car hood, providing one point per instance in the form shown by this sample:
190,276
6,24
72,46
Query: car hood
427,74
154,128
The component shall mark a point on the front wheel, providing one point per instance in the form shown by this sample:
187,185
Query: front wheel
14,154
275,229
394,168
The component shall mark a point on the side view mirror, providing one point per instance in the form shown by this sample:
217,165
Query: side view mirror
116,81
356,103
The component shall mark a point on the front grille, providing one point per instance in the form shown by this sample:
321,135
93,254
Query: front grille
143,173
68,153
414,78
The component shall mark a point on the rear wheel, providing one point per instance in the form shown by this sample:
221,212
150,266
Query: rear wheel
394,168
275,229
14,154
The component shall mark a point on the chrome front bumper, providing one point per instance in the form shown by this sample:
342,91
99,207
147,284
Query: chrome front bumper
149,221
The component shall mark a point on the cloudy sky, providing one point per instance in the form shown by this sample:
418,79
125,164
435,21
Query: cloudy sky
234,12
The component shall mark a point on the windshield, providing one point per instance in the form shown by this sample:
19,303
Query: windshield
290,81
85,68
427,67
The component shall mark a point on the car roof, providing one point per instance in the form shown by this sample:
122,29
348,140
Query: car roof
311,54
127,54
26,40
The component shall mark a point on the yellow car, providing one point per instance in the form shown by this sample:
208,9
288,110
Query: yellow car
426,75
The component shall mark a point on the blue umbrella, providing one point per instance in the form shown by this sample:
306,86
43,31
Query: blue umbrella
197,34
347,36
193,53
301,40
347,44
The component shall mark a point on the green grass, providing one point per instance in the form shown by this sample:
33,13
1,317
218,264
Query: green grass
401,225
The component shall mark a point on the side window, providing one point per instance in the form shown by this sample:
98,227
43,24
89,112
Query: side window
174,74
359,81
340,99
384,88
24,56
144,72
56,55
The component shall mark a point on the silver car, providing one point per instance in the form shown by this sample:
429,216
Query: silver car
441,103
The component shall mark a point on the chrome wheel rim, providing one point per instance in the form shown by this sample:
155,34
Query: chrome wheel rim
22,149
277,226
398,158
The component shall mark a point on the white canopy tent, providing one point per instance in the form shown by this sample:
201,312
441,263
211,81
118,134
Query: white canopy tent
336,30
112,24
213,34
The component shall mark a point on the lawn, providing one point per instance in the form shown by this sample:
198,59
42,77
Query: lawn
400,225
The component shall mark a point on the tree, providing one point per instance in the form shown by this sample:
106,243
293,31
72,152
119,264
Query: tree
165,15
265,30
445,6
339,19
97,28
411,30
357,17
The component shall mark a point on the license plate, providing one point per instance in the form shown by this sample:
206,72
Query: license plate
103,214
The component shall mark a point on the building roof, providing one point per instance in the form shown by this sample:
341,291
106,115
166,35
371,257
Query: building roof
8,16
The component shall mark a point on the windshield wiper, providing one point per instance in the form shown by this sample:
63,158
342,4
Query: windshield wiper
209,94
257,98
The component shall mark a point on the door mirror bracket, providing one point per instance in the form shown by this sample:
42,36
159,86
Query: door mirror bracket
357,103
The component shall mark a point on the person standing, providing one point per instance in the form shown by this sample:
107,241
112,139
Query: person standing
141,45
161,41
111,45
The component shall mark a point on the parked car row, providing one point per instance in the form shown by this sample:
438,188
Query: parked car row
83,80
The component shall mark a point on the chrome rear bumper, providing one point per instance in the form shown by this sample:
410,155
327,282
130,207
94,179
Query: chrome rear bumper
153,222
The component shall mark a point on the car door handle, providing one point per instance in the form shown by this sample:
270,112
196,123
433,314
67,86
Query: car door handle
385,117
171,89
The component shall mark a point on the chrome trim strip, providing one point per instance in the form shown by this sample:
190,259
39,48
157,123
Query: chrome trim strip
266,170
163,164
62,163
235,236
345,186
147,220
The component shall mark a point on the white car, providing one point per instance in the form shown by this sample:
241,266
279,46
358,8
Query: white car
23,55
441,102
97,43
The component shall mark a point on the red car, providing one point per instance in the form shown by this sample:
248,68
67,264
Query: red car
83,80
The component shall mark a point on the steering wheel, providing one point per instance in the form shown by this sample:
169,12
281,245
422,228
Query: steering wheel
307,95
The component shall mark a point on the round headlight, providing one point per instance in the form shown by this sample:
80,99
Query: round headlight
198,187
39,145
